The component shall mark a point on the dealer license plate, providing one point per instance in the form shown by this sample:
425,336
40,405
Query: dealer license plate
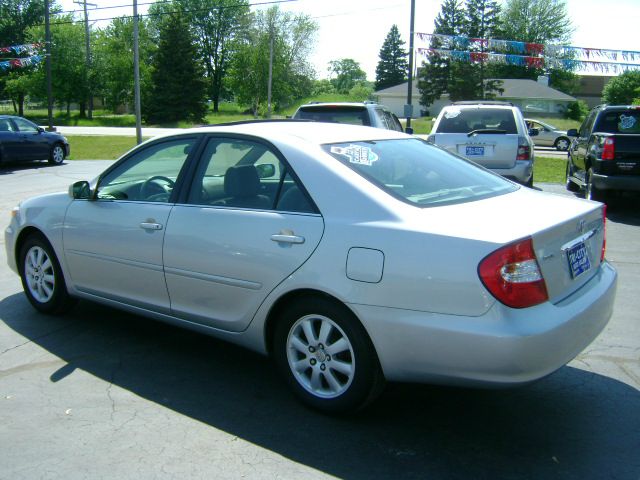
475,151
578,260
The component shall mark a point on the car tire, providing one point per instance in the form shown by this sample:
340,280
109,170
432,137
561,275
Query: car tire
591,192
562,144
326,356
569,184
42,277
56,156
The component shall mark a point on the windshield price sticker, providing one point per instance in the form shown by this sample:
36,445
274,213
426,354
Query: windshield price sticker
578,259
357,154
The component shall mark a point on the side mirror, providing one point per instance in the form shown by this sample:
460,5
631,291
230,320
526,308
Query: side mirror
266,170
40,130
409,130
80,190
534,132
572,132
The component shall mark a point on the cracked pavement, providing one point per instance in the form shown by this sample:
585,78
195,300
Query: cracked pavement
99,393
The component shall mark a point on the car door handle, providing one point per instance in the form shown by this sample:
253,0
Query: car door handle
283,238
150,226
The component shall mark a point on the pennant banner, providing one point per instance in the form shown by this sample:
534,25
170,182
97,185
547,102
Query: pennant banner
15,63
453,42
20,49
527,61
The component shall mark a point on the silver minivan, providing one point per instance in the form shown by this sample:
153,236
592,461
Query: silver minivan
492,134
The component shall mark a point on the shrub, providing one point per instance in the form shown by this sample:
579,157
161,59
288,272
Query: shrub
577,110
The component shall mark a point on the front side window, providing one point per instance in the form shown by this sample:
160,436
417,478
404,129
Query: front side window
419,173
148,175
26,127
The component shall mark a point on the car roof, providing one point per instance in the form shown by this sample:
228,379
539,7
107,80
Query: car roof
295,130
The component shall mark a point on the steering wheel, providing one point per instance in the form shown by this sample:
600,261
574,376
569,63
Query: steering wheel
153,189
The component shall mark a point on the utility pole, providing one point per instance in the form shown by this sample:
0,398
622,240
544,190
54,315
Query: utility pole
87,47
136,73
270,72
47,36
409,107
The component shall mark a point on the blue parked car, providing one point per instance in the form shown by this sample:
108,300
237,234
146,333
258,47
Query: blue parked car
22,140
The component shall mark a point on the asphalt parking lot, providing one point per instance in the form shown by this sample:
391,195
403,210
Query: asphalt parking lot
98,393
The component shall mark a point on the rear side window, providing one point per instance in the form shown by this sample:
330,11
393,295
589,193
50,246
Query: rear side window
419,173
350,115
626,121
459,120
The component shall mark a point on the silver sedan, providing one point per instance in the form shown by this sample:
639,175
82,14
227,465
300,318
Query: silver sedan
548,135
351,255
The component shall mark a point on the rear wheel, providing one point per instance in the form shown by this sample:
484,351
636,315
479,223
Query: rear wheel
326,356
42,277
591,192
56,156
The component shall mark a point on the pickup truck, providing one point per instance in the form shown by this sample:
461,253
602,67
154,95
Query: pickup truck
604,155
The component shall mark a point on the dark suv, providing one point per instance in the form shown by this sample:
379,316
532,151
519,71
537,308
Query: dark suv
369,114
605,153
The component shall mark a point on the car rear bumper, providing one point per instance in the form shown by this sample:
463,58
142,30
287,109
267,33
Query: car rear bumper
503,347
521,172
617,182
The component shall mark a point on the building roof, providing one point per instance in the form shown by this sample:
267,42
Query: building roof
513,88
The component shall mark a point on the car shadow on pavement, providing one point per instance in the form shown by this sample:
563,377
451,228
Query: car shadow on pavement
573,424
13,167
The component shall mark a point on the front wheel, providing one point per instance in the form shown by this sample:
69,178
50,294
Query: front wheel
326,356
562,144
42,277
56,157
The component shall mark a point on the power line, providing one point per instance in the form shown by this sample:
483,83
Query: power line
226,7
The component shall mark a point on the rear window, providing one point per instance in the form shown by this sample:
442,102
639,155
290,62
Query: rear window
464,120
626,121
419,173
350,115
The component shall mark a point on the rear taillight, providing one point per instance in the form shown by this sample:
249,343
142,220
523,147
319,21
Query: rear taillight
524,150
604,232
513,276
609,149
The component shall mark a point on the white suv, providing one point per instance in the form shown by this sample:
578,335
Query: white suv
492,134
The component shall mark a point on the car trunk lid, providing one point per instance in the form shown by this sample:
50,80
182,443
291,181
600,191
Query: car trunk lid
491,150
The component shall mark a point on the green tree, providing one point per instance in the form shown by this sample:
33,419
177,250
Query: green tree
292,36
536,21
217,24
393,66
113,62
623,89
435,74
68,67
177,87
347,73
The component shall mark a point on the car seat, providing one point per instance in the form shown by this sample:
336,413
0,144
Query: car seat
242,188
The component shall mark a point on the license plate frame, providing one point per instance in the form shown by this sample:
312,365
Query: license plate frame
474,151
578,258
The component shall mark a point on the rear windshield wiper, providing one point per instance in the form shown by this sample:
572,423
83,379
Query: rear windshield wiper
485,130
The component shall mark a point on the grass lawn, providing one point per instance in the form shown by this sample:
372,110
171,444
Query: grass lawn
549,170
97,147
